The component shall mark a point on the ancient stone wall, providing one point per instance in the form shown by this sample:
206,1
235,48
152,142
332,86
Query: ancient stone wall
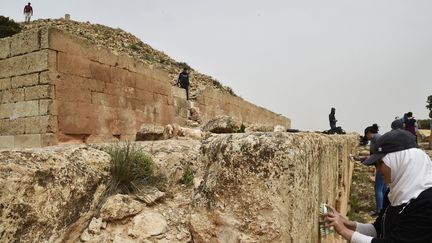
58,88
26,93
212,103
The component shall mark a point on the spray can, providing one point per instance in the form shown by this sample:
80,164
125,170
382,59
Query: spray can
324,230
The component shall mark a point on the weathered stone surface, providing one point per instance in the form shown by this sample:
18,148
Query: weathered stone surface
12,126
195,114
25,42
44,191
95,226
4,48
39,92
279,128
28,63
147,223
25,109
191,133
150,132
171,156
118,207
259,128
6,142
5,83
25,80
221,124
12,95
6,110
272,183
150,195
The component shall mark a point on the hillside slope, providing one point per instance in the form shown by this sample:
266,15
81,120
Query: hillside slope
120,41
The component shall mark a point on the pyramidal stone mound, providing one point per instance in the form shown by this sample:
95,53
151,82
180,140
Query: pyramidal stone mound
120,41
70,82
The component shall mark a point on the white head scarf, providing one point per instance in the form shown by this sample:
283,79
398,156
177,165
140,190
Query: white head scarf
411,174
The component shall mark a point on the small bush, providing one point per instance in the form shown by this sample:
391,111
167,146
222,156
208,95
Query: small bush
8,27
183,65
135,47
131,169
423,124
188,176
240,129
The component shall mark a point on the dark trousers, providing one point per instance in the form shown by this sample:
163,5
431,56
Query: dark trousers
187,91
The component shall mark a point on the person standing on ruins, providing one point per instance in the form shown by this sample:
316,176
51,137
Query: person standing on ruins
183,81
332,118
28,12
410,123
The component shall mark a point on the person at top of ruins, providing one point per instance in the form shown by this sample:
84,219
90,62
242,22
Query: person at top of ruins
410,123
408,206
28,12
332,118
371,134
183,81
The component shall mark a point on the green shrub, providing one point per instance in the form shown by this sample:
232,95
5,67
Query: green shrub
240,129
131,169
423,124
429,103
8,27
188,176
135,47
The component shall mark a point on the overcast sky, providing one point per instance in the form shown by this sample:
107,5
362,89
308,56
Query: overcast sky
371,59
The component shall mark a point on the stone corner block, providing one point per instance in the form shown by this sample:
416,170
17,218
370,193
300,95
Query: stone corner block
25,42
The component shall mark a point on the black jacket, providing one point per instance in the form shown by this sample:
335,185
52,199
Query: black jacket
409,222
183,79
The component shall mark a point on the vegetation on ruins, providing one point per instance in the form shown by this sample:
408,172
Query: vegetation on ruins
240,129
429,103
188,176
131,169
8,27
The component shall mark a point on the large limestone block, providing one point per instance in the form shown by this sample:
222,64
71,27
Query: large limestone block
25,42
271,184
149,132
25,80
28,63
221,124
43,191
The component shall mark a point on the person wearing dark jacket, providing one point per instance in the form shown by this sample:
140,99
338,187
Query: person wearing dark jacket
410,123
408,209
371,134
332,118
183,81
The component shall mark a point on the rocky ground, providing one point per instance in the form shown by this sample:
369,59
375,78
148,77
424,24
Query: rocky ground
120,41
362,198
